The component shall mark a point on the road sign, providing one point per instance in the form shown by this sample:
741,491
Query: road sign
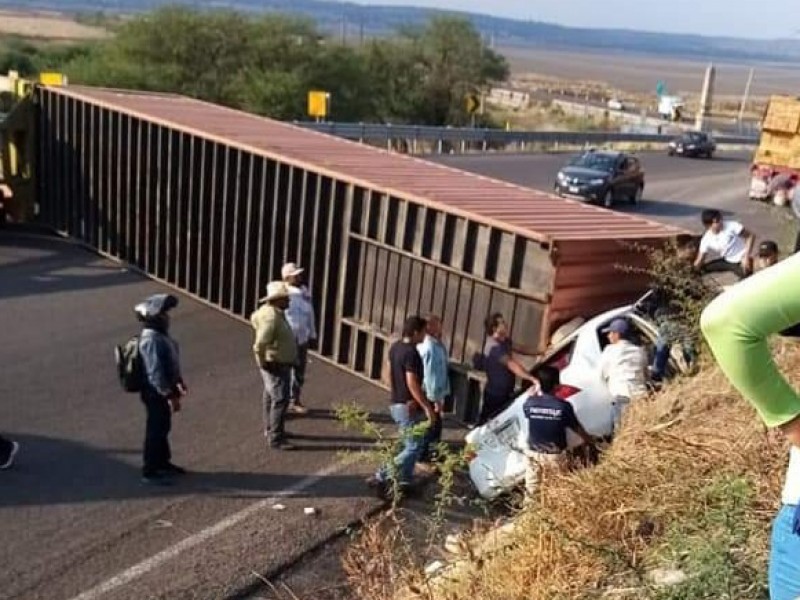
661,88
473,103
318,104
54,79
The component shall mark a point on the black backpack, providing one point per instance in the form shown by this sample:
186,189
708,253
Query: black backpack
130,369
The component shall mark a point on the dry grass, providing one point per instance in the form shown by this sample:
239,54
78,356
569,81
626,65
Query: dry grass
693,480
47,26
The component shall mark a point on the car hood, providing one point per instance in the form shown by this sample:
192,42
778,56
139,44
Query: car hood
583,173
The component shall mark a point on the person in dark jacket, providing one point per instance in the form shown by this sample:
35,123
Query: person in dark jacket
162,388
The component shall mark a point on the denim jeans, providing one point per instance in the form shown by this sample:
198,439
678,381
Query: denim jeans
784,559
299,371
403,467
431,439
275,399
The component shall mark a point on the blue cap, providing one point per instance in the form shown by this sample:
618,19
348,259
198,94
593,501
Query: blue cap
155,305
620,326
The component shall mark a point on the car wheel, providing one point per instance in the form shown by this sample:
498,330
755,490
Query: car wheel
670,153
637,195
710,154
608,198
557,191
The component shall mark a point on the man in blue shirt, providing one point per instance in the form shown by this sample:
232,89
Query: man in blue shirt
548,418
162,387
435,381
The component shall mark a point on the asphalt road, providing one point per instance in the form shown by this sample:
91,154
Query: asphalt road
676,189
75,521
76,524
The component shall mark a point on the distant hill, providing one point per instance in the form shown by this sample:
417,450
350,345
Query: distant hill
357,20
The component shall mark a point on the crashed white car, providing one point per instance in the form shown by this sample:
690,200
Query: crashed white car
496,458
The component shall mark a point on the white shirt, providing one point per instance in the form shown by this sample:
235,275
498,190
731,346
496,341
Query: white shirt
728,243
791,489
300,315
623,367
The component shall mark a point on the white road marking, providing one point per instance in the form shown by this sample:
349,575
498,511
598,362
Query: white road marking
204,535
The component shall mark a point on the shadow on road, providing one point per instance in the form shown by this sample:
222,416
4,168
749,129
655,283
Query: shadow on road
38,263
53,471
666,208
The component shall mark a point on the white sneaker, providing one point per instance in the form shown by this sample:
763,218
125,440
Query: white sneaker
11,455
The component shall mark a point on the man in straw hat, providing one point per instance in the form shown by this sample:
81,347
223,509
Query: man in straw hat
275,349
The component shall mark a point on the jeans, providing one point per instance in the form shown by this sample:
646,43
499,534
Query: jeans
157,454
668,334
403,467
784,559
720,265
618,406
299,371
275,400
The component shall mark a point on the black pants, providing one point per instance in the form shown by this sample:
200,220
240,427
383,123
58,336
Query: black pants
492,406
157,453
721,265
432,438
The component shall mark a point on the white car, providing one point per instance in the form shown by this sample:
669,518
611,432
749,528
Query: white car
615,104
497,461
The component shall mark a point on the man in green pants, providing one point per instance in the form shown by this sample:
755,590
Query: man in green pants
737,325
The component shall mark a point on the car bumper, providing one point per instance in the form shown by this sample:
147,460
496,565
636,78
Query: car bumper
589,193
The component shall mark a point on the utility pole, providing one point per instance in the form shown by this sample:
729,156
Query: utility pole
746,95
706,99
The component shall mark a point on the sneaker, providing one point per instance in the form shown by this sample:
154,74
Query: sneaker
171,469
157,480
10,458
283,445
296,408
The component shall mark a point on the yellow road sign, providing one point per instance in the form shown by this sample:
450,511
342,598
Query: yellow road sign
54,79
318,104
473,103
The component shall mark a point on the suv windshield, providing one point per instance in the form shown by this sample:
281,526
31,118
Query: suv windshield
591,160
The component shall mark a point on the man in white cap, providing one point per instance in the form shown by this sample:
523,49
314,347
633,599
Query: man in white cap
300,315
623,368
275,350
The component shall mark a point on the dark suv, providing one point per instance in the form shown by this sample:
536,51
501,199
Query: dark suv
694,144
603,177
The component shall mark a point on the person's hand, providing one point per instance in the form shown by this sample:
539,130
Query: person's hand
182,389
175,404
747,264
536,386
792,431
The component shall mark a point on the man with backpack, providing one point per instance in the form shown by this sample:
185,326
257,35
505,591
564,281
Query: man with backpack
161,386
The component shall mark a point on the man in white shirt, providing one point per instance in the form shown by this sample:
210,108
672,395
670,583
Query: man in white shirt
730,241
302,320
623,368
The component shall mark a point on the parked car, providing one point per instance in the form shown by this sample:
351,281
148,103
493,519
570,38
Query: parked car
602,176
497,461
694,144
615,104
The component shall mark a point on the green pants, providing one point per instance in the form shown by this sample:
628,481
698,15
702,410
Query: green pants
737,324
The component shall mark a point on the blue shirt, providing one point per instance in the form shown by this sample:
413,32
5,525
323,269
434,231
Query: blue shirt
548,420
436,379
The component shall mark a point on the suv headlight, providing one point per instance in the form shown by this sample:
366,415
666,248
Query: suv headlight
561,176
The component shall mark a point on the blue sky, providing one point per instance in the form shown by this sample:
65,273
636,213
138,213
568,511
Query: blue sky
739,18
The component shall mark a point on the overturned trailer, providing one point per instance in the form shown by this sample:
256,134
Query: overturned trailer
214,201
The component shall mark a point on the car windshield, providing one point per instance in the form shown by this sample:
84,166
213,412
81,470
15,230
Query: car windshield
591,160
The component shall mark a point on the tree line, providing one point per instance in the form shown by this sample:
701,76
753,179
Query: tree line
268,64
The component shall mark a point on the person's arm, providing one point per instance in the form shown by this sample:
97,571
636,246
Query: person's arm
157,364
749,241
513,365
737,324
265,335
525,350
428,383
414,386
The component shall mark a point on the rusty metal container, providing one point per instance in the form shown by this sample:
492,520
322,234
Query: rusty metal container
214,201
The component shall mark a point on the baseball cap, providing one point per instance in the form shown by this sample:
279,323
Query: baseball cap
767,248
620,326
155,305
290,270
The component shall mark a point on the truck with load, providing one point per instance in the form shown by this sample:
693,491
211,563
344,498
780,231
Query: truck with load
776,164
